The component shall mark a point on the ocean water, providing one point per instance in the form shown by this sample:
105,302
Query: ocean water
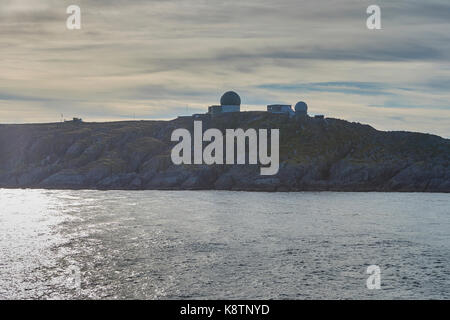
213,245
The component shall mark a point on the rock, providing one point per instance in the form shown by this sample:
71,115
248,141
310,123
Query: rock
34,176
117,181
93,152
225,182
315,155
151,167
136,183
97,173
201,178
75,150
66,179
173,178
266,184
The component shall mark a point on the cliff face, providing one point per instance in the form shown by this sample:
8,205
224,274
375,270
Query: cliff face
315,154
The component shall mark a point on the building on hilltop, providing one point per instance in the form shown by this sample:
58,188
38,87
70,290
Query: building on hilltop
75,120
230,102
280,109
301,109
215,109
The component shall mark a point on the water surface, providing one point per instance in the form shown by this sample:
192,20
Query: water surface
213,245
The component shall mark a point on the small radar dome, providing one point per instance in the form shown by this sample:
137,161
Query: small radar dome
230,98
301,108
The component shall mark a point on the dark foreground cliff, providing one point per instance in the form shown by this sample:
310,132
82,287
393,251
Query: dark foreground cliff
315,154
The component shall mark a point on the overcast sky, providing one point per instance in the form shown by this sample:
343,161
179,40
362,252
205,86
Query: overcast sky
159,59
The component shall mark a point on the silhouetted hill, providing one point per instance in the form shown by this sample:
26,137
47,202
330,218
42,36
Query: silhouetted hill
315,154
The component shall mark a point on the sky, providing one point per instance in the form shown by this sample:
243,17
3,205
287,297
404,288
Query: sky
136,59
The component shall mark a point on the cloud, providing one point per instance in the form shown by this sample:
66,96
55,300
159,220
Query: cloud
151,59
358,88
403,105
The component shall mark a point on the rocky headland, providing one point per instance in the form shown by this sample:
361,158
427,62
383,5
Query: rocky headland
315,155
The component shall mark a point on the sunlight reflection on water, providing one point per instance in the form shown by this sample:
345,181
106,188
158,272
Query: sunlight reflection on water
210,244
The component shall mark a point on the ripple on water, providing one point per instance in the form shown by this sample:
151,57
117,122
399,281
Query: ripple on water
209,244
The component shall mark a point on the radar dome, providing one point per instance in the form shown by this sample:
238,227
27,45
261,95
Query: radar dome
230,98
301,107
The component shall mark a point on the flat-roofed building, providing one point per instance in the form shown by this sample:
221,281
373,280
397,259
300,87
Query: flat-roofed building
280,109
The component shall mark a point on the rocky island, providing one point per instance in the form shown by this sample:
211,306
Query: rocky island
315,155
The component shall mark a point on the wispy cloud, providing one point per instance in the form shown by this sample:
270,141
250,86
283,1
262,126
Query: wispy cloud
152,59
358,88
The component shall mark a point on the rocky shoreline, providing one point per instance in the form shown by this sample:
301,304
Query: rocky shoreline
315,155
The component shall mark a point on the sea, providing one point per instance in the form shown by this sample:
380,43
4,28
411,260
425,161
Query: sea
65,244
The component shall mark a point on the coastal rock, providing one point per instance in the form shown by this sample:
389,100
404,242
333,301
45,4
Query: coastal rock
65,179
225,182
117,181
326,154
